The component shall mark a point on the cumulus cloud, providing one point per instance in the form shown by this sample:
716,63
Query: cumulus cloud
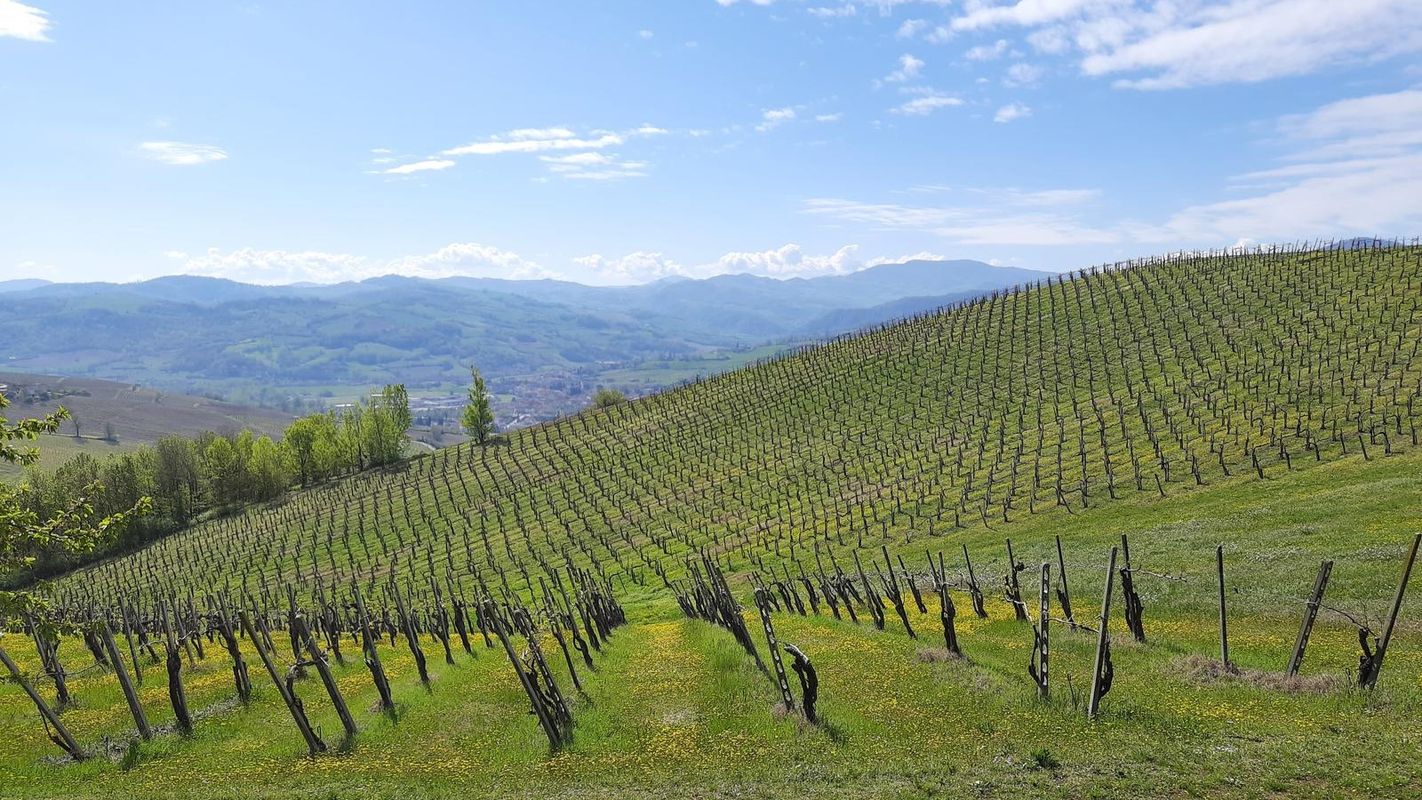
772,118
1010,112
181,154
252,265
639,267
909,69
787,261
20,21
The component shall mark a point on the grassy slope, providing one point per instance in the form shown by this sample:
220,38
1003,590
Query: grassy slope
676,709
893,438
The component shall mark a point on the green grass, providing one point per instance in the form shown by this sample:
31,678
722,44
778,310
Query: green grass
676,709
910,438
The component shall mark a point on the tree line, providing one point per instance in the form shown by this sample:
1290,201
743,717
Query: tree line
189,477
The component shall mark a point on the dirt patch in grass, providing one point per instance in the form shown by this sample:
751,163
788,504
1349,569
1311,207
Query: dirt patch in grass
938,655
1208,671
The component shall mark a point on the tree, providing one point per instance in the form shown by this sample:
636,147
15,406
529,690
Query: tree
606,397
24,533
478,418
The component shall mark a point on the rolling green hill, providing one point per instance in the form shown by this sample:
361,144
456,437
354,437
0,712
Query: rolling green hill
134,414
1261,401
545,345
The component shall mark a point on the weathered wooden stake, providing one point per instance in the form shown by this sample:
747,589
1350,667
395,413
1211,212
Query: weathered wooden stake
1063,592
318,660
129,694
60,735
1320,585
176,694
258,635
1043,647
1224,634
369,641
1370,677
1103,642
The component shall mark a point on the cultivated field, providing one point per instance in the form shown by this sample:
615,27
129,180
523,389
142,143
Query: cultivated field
1262,402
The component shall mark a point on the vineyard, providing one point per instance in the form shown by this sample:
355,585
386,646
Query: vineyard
1142,530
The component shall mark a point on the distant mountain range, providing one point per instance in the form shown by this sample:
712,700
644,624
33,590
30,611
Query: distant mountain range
544,344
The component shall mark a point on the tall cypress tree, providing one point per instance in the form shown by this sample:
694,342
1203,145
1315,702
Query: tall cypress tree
478,418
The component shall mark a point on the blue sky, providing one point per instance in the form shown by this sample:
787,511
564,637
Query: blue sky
621,142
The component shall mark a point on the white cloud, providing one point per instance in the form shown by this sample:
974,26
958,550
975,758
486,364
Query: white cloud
1010,112
832,12
909,68
183,154
639,267
645,34
536,140
789,261
835,117
911,28
20,21
987,52
772,118
1351,168
419,166
994,217
927,102
1181,43
287,266
1022,75
594,166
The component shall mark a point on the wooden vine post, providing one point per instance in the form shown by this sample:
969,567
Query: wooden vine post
1041,643
763,604
1063,592
369,642
258,635
323,668
1224,633
60,734
1315,599
1368,673
130,695
1102,671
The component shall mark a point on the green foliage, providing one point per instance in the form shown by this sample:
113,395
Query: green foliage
188,477
478,416
73,527
607,397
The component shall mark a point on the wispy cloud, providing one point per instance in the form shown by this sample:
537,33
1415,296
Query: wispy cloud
20,21
427,165
181,154
981,217
927,102
594,166
1352,167
772,118
1167,45
536,140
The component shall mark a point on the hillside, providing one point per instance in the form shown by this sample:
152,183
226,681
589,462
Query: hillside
134,414
545,345
1263,401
